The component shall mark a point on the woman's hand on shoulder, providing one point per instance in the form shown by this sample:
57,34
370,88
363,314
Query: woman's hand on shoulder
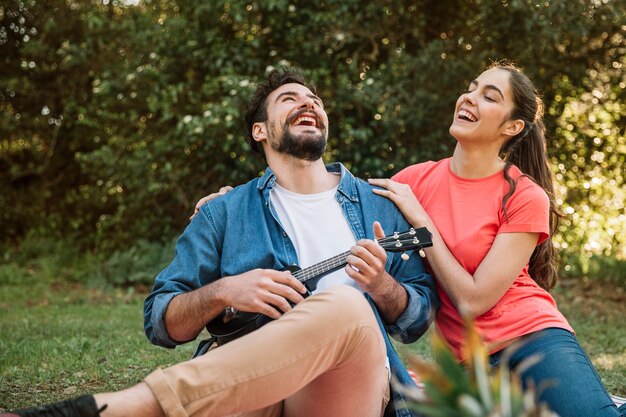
402,196
210,197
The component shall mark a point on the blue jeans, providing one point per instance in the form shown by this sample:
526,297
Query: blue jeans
564,377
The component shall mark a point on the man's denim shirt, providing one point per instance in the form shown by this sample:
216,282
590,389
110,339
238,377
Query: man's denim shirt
240,231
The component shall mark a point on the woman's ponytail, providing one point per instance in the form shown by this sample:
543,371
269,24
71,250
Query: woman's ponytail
528,151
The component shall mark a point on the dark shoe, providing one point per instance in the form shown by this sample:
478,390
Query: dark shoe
84,406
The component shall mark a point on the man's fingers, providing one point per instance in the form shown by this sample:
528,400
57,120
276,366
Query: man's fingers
373,255
265,291
358,265
286,292
282,288
379,233
279,302
285,277
367,249
275,301
269,310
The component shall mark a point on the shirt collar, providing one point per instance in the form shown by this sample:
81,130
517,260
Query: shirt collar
347,183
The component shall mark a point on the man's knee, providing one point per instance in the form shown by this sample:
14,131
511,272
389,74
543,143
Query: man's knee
345,303
343,311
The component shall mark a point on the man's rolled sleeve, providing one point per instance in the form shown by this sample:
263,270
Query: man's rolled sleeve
400,329
158,334
422,303
194,265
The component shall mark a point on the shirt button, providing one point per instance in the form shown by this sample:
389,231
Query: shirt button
284,234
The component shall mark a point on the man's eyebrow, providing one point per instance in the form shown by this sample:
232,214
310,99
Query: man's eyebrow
295,93
489,87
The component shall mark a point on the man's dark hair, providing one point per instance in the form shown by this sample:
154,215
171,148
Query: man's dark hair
257,109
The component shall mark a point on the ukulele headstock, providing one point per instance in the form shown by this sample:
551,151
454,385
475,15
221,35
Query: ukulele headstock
412,239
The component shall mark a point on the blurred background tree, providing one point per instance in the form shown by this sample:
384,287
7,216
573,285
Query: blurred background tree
116,116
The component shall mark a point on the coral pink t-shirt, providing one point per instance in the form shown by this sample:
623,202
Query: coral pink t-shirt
468,214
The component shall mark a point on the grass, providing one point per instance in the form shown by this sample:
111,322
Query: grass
61,338
64,339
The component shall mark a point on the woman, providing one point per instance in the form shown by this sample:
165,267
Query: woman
491,210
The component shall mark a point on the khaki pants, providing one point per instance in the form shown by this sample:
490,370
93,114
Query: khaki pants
325,358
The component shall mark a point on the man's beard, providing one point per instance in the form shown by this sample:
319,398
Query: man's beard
308,147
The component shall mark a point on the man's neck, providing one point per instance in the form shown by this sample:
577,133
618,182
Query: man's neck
303,177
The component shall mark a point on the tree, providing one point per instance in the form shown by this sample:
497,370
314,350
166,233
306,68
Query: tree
143,104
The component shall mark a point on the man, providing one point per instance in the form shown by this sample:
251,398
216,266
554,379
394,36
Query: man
326,355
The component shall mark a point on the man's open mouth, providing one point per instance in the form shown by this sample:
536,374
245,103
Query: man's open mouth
304,120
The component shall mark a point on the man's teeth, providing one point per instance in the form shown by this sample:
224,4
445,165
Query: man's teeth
467,115
301,120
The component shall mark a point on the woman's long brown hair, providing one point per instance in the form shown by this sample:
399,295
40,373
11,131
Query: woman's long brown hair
528,151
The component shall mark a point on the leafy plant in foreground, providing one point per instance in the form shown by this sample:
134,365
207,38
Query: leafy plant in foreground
451,389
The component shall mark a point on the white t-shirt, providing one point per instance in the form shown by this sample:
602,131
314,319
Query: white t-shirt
318,229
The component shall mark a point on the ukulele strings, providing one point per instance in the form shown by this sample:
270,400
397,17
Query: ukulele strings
388,242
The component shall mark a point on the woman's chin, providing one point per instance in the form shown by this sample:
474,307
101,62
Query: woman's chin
457,132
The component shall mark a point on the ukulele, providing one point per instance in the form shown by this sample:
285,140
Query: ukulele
231,323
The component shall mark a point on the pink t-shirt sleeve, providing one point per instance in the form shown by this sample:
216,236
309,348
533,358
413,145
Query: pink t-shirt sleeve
408,174
528,210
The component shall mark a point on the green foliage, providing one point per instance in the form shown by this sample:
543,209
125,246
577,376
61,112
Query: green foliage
115,119
139,264
590,172
472,389
38,260
606,268
44,260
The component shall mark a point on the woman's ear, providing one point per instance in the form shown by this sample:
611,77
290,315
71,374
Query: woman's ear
259,131
514,127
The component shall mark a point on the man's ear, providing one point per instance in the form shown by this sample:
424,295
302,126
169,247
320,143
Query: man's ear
259,131
514,127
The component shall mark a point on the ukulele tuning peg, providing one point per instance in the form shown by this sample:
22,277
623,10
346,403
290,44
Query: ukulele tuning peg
404,256
422,253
